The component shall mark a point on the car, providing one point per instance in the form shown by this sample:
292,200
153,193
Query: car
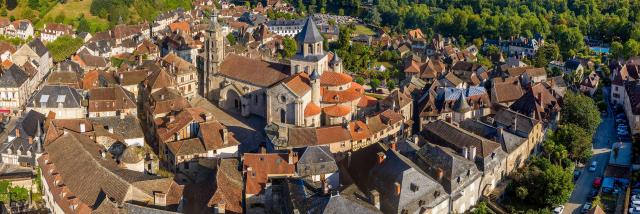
592,168
635,198
635,203
558,209
586,207
634,210
593,193
621,121
576,174
597,182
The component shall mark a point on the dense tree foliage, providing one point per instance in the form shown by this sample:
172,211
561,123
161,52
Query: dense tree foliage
545,54
63,47
575,139
582,111
565,21
542,183
290,47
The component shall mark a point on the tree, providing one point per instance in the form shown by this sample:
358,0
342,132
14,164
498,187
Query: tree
231,38
570,41
3,12
631,48
545,54
83,25
522,192
374,16
359,80
34,4
617,50
375,83
576,139
391,84
482,208
580,110
546,184
290,47
60,18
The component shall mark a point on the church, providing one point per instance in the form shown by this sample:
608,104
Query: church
311,91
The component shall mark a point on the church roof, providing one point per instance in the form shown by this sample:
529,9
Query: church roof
309,33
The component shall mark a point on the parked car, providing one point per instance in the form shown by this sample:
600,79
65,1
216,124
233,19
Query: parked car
586,207
558,209
597,182
593,193
635,197
634,210
576,174
592,168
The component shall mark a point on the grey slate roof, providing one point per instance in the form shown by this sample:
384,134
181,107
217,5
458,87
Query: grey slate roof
71,66
316,160
129,127
415,185
37,46
52,95
523,124
13,77
309,33
28,124
509,141
457,171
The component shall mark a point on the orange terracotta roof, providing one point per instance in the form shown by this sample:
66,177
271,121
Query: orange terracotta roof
7,64
299,84
337,110
311,110
183,26
354,92
366,101
359,130
263,165
329,78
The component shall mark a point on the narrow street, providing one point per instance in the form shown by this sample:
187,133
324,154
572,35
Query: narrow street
602,139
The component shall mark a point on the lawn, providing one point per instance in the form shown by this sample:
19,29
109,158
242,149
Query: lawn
72,10
361,29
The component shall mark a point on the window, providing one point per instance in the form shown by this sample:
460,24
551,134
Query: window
181,79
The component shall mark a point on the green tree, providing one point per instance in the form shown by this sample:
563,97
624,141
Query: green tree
231,38
391,84
290,47
60,18
546,184
545,54
522,192
576,139
374,16
570,41
631,48
580,110
34,4
83,25
3,12
617,50
374,83
482,208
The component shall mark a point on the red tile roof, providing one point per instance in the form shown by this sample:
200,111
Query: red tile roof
260,166
353,93
329,78
311,110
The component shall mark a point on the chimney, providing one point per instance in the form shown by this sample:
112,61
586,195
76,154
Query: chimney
162,97
539,97
514,126
82,128
325,186
439,173
225,136
160,199
220,208
121,77
374,198
380,157
17,132
398,188
30,140
472,153
465,152
102,154
348,159
122,115
110,129
293,157
394,146
171,118
209,116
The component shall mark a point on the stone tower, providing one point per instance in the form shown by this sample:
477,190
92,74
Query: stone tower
311,55
214,55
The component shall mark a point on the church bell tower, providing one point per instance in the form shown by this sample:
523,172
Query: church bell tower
214,55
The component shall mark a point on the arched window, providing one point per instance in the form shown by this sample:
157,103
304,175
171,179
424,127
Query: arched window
310,49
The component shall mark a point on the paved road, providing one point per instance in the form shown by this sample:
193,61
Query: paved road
605,135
